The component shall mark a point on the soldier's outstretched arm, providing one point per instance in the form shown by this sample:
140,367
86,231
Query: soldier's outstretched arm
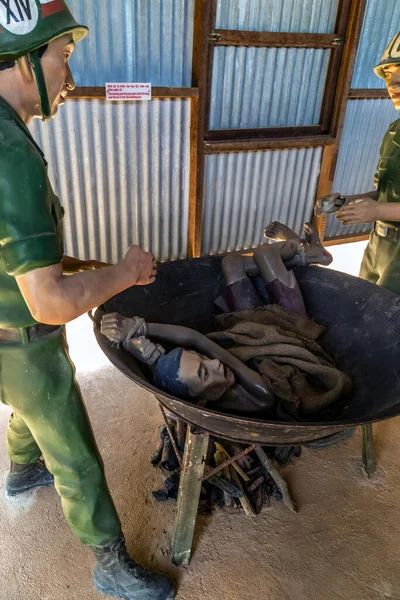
75,265
55,299
327,205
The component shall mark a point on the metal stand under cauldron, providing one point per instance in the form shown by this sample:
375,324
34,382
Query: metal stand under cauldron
363,336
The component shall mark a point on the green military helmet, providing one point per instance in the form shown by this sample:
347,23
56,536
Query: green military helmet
391,56
28,25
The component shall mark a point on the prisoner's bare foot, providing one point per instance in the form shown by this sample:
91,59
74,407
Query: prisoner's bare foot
281,233
316,253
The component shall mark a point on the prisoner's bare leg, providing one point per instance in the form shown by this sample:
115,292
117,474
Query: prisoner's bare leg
240,292
281,284
236,266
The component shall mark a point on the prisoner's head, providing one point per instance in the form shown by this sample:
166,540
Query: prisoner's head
389,70
188,374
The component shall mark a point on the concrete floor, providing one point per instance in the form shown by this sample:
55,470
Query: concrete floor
343,543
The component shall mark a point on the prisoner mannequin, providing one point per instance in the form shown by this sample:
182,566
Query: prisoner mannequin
38,380
208,371
200,370
381,262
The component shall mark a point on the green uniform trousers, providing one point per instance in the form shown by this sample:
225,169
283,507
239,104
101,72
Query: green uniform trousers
50,419
381,263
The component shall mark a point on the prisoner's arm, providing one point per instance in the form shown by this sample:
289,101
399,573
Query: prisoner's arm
191,339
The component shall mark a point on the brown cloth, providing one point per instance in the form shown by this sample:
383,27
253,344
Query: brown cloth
282,347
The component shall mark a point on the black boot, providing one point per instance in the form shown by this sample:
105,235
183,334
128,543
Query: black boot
22,478
118,575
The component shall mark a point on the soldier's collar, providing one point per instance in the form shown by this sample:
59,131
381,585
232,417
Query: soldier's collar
13,113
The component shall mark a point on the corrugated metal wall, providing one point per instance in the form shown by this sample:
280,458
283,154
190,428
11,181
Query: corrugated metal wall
381,22
365,125
245,191
301,16
122,173
122,169
250,87
137,154
135,40
366,120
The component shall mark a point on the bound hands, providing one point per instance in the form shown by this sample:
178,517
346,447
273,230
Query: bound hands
131,332
121,329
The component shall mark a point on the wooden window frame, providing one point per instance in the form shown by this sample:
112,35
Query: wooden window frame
337,90
261,39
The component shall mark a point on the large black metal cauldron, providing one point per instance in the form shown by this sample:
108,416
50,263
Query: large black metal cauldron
363,335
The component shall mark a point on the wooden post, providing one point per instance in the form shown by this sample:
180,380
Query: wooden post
368,449
204,19
189,495
330,156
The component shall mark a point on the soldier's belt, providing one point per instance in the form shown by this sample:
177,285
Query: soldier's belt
26,334
390,233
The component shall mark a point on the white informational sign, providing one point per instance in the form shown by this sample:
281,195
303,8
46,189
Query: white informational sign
128,91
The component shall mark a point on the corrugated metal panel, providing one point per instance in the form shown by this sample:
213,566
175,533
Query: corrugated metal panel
245,191
365,125
314,16
135,40
381,22
122,174
250,87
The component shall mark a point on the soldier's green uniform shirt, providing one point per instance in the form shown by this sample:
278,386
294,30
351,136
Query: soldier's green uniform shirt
37,378
30,215
381,262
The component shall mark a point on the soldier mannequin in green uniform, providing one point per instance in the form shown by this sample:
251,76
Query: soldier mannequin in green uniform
381,262
49,419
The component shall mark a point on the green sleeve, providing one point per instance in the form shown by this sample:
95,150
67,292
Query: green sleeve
28,229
